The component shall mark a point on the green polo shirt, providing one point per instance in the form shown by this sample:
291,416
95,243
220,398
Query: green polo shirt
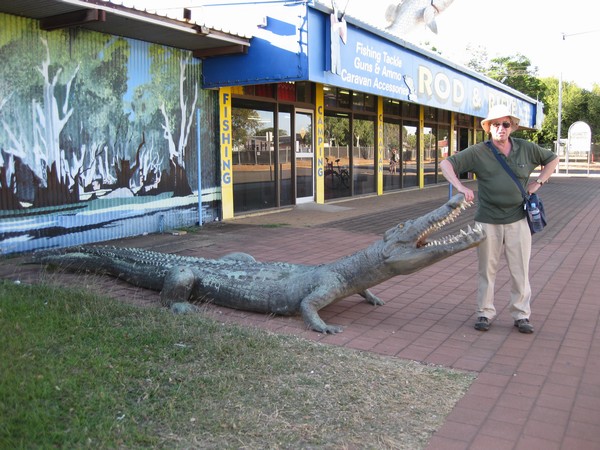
500,200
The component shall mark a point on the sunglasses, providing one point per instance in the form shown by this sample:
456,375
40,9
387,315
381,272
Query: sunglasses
503,124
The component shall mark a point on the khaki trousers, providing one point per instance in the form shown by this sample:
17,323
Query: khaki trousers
515,240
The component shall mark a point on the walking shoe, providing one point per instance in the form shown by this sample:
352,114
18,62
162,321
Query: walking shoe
524,326
482,324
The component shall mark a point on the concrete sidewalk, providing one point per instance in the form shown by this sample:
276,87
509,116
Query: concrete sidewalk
539,391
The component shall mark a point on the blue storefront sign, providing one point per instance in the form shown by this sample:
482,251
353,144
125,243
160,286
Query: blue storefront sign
303,43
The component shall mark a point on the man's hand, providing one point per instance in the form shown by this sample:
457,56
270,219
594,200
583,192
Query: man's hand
468,193
533,187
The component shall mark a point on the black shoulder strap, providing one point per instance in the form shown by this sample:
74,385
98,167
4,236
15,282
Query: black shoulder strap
507,168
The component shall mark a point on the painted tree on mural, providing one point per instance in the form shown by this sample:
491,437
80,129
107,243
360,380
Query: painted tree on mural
171,110
99,128
46,142
31,129
66,127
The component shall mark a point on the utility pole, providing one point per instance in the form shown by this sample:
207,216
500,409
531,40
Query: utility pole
558,127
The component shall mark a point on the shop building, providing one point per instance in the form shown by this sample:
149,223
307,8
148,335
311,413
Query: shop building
116,122
324,107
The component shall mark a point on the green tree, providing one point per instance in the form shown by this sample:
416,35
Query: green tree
246,123
577,105
518,73
337,131
364,132
593,102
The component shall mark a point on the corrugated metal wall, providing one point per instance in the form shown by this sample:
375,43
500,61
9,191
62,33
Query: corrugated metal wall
95,141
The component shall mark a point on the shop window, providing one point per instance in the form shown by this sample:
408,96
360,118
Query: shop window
443,143
363,153
363,102
286,92
260,90
330,96
285,156
337,156
454,148
391,107
430,157
337,97
464,120
304,92
410,151
253,159
392,156
443,116
358,101
479,135
344,99
410,110
248,90
443,147
431,114
370,103
465,138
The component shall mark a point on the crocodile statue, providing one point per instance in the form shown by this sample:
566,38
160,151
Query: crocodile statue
238,281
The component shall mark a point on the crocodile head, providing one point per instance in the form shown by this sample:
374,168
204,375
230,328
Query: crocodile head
407,248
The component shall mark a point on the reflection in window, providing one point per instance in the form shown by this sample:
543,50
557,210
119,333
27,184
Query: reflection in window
363,152
304,155
253,160
392,157
409,155
337,157
337,97
363,102
429,154
479,135
391,106
285,159
443,149
410,110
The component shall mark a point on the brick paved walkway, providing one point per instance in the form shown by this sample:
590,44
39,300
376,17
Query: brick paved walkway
539,391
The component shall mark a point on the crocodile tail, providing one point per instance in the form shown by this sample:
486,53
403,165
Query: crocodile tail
66,258
48,256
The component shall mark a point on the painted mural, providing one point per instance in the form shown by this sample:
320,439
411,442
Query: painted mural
99,138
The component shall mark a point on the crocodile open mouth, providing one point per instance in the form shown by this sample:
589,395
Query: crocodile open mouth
449,218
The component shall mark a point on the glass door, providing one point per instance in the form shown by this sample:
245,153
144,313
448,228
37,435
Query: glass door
304,156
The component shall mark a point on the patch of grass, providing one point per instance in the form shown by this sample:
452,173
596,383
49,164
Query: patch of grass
79,370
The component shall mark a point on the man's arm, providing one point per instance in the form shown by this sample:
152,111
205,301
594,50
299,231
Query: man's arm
452,177
544,176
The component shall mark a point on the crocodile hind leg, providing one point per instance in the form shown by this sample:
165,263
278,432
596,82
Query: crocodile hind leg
371,298
177,289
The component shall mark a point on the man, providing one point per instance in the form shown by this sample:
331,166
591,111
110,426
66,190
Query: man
500,210
394,161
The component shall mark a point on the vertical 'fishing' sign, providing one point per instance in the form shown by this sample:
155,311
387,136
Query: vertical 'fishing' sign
226,142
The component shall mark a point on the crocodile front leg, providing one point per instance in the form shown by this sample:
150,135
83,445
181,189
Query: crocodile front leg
371,298
312,303
177,289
